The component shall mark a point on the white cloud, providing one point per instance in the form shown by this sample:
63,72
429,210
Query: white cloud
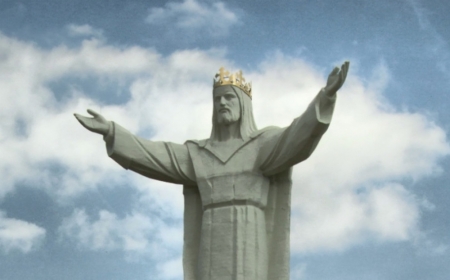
351,189
84,30
109,232
337,220
212,18
140,236
19,235
38,132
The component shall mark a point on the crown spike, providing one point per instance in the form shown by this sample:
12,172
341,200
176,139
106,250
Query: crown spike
223,78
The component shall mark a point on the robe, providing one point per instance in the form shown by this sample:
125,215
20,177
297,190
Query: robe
237,202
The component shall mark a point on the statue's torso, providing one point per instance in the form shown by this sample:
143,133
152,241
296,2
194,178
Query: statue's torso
238,179
234,193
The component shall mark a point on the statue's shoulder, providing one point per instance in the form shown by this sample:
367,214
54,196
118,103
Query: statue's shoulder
200,143
266,132
261,133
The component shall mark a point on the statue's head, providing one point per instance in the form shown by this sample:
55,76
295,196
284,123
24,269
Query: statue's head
227,107
232,103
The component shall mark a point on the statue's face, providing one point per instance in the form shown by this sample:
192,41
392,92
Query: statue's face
226,105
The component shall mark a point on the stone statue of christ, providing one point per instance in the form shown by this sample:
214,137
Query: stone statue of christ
237,183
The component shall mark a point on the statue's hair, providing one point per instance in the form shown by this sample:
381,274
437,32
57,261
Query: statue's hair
246,121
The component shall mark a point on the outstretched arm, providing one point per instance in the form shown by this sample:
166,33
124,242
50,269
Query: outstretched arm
281,149
162,161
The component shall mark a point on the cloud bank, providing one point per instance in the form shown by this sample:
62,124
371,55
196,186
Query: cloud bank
134,233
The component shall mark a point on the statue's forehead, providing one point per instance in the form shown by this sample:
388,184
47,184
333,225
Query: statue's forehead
223,90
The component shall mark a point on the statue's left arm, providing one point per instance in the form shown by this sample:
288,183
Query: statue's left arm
282,148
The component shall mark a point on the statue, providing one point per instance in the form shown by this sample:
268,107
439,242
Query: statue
237,183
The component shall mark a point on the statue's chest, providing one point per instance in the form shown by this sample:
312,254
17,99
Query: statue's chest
236,179
217,160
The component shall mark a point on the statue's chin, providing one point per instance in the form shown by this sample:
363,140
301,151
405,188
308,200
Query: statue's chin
226,121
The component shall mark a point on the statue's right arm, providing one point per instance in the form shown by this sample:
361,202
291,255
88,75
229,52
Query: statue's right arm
283,148
162,161
280,149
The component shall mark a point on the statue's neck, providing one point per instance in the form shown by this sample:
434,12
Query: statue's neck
229,132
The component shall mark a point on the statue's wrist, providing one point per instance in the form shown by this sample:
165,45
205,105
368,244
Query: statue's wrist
329,92
108,136
107,129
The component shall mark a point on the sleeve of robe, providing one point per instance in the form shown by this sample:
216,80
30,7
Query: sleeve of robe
283,148
163,161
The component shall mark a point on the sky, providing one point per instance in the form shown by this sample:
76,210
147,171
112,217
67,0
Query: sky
372,202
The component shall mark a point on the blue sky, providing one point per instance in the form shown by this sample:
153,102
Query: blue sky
371,203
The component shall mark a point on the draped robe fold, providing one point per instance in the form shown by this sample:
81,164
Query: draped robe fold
237,203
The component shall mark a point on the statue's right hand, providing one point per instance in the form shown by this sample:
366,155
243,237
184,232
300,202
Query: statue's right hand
97,124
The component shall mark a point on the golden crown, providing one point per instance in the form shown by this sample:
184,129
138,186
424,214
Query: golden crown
224,78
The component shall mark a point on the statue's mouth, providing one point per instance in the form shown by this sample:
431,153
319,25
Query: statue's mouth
224,110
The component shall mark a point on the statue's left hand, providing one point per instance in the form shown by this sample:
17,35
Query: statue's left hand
336,79
97,124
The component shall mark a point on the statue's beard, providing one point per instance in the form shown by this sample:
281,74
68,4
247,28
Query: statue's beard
226,118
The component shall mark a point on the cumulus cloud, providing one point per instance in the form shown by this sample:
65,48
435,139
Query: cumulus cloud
37,132
109,232
17,235
212,18
140,236
338,220
352,189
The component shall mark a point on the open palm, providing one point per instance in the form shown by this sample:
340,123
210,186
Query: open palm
337,78
97,124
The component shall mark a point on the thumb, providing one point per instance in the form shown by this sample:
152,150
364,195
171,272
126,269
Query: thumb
93,113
